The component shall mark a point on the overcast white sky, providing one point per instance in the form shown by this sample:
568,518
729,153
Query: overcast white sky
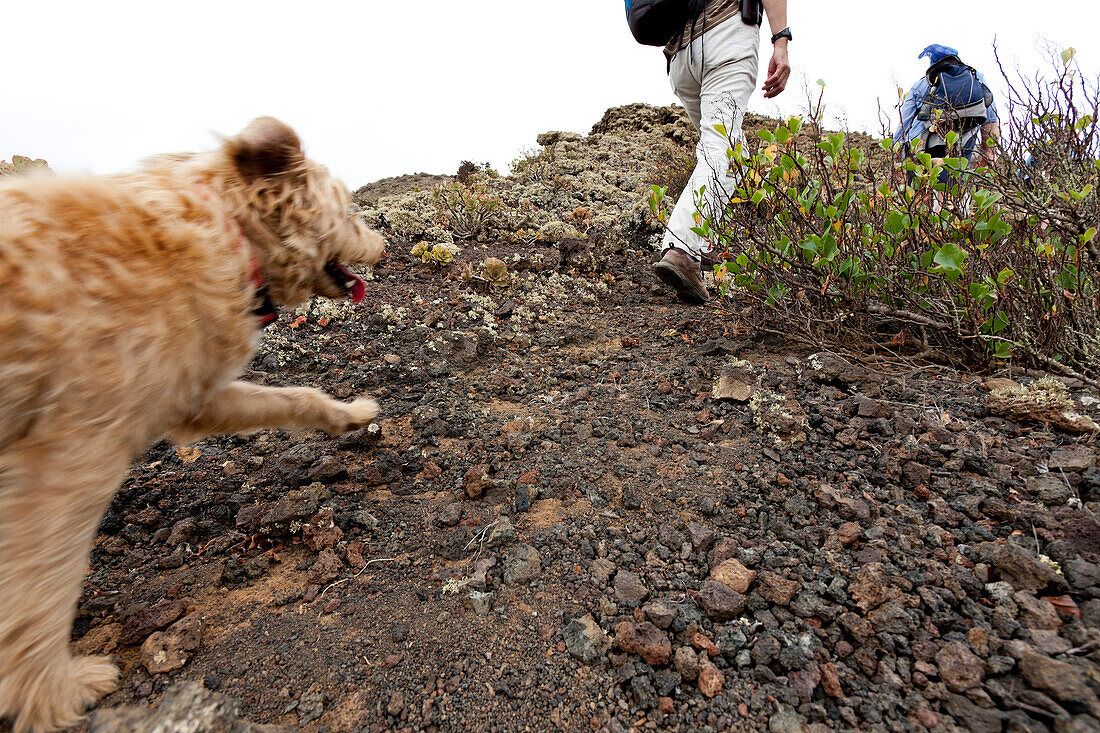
378,88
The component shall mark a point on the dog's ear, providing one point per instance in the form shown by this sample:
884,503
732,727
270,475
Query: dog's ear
267,148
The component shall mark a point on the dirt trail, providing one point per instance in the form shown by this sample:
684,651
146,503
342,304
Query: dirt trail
886,557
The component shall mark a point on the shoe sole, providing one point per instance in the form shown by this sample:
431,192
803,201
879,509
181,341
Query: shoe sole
684,290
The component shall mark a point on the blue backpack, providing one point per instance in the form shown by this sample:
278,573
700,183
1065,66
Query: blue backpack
656,22
957,101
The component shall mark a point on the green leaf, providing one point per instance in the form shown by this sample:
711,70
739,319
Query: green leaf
1001,350
1068,54
949,259
721,130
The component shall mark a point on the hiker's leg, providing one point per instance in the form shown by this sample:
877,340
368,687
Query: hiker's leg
685,74
725,66
728,83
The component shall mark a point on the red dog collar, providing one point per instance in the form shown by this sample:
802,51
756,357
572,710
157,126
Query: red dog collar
265,309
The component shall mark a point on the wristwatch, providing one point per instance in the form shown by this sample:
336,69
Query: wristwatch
785,33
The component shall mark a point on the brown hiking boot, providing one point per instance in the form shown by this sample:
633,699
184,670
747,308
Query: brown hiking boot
681,273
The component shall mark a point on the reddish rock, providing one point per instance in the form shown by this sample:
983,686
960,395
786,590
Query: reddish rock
321,532
774,588
723,550
830,680
325,569
355,555
871,588
165,651
703,643
960,668
147,620
849,533
476,481
665,705
711,679
733,574
645,640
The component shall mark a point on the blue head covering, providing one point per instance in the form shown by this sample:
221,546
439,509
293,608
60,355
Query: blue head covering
937,53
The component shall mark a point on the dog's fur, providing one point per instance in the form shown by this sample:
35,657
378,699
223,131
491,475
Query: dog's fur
126,312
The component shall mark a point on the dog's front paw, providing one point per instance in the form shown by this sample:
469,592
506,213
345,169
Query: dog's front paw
357,414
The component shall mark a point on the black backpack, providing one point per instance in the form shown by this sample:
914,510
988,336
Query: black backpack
656,22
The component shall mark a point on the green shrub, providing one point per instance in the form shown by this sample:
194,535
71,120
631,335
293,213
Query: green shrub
834,243
470,210
671,167
434,254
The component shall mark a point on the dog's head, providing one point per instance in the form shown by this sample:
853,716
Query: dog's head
297,216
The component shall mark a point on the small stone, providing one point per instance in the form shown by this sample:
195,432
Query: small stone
830,680
629,587
643,639
523,565
702,537
503,533
687,663
871,588
849,533
354,555
774,588
1060,680
1035,613
450,515
725,548
711,679
671,537
1051,489
585,640
666,705
703,643
867,407
959,667
321,532
915,474
325,569
660,614
477,481
1019,567
1073,461
480,603
720,602
165,651
140,624
479,578
733,574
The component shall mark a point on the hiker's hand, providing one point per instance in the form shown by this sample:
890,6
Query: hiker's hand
779,69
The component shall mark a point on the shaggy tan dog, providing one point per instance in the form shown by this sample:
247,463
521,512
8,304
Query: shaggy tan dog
128,305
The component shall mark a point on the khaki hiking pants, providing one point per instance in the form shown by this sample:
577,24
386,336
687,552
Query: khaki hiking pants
714,79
